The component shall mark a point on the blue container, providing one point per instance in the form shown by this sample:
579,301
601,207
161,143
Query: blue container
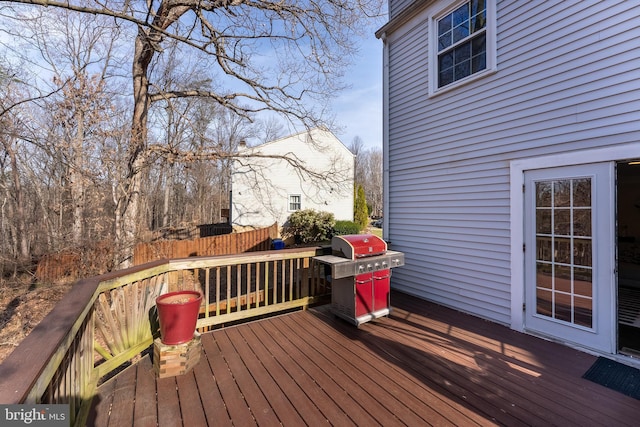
277,244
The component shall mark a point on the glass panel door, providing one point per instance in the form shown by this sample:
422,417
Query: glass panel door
564,287
569,273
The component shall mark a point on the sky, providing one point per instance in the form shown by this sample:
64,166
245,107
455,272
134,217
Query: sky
359,109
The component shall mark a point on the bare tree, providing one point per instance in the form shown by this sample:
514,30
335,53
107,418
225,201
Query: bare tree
284,57
358,149
74,51
13,191
373,186
270,129
185,129
13,198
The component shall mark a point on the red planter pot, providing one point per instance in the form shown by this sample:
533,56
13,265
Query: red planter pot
178,315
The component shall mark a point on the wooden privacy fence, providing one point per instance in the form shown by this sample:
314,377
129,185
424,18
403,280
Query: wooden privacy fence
228,244
108,320
92,260
98,258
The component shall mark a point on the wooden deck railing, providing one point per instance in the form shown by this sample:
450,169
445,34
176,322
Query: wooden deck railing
108,320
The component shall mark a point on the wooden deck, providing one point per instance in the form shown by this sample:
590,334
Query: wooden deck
424,365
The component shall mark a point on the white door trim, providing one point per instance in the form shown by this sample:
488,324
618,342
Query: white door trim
517,168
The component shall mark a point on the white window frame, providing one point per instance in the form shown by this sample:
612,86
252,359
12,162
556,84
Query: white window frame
491,53
291,202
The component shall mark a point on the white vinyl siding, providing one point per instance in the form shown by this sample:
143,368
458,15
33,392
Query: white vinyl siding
264,183
395,7
566,80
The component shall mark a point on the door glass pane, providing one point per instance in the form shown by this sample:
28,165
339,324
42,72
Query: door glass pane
543,275
562,222
544,248
582,252
582,192
564,259
582,222
582,282
563,278
543,194
562,306
543,221
583,311
562,194
544,304
562,252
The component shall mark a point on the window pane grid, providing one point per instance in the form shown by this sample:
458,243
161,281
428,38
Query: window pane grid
564,264
465,21
295,203
462,42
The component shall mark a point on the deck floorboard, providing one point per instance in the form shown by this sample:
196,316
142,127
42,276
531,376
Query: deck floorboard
169,409
423,365
145,410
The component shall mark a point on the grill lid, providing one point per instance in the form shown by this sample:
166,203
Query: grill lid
354,246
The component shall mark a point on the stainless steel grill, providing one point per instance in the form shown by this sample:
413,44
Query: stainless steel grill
360,276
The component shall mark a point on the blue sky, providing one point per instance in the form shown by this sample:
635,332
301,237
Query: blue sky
358,110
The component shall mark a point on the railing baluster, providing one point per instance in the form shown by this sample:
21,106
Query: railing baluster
298,279
228,289
207,292
249,280
258,297
291,278
283,285
238,287
217,291
275,282
266,283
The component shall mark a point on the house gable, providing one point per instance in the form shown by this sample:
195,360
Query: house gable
309,170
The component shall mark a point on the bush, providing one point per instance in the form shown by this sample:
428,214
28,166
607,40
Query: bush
345,227
309,226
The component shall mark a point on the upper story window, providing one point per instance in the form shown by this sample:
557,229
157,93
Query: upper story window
462,42
295,202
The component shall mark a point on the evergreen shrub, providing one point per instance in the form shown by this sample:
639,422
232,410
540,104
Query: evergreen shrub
309,225
345,227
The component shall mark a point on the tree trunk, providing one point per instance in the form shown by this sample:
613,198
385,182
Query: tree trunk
128,204
76,180
20,214
168,187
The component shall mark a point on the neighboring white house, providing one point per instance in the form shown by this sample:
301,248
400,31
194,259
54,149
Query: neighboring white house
309,170
510,133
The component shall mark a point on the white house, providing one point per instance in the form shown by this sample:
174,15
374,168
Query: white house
309,170
511,131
